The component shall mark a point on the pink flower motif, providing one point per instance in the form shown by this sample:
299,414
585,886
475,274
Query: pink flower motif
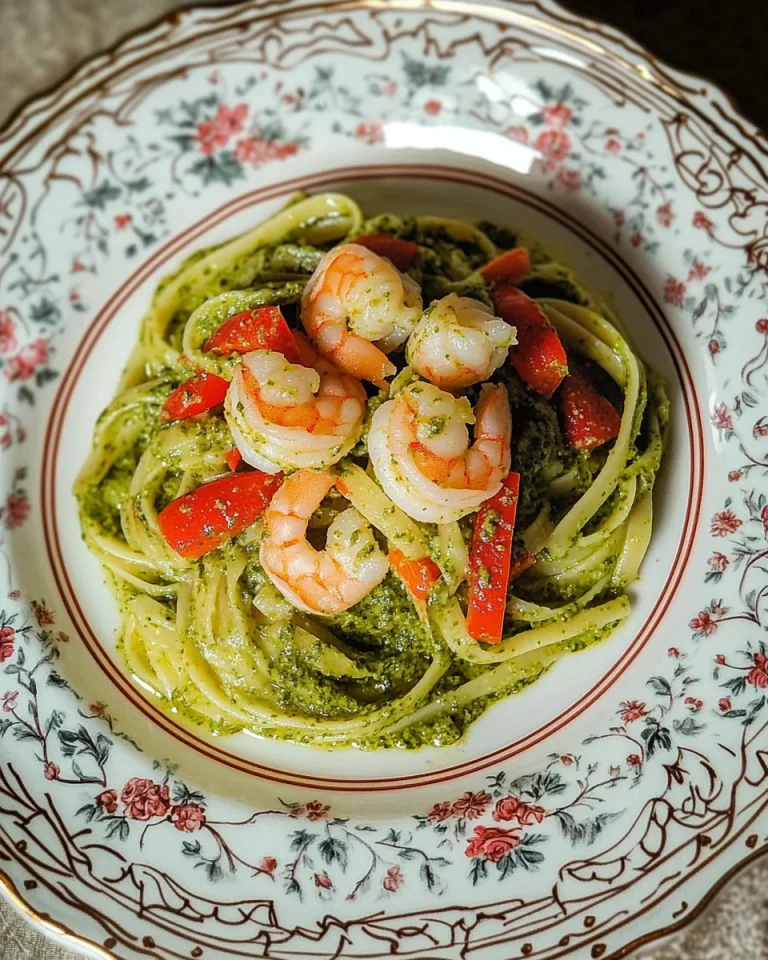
51,771
393,880
557,116
632,710
724,523
107,801
433,107
567,759
122,220
370,131
724,704
764,518
16,510
553,145
758,675
703,623
389,89
268,864
618,218
701,221
77,266
635,760
98,709
636,239
323,881
713,346
7,638
721,419
42,614
760,428
7,333
518,133
762,326
673,652
188,817
664,214
471,805
312,810
612,145
529,813
440,811
720,660
568,179
506,809
693,703
144,799
718,562
256,151
613,772
9,701
230,119
674,291
717,609
492,843
62,637
734,475
698,271
14,594
27,360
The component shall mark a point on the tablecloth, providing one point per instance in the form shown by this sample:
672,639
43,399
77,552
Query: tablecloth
40,40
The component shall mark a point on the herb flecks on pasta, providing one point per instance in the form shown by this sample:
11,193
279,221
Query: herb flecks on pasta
361,479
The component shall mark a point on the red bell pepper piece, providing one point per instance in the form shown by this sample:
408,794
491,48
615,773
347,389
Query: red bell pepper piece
490,558
402,253
589,419
261,329
233,459
520,563
538,356
418,575
196,395
509,267
204,518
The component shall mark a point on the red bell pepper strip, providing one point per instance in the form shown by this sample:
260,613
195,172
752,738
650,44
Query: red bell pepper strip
204,518
509,267
194,396
538,356
261,329
588,418
418,575
490,558
402,253
233,459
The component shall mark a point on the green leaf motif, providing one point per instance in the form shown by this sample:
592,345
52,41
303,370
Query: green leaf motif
99,197
222,168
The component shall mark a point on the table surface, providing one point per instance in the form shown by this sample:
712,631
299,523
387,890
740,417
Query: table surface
41,40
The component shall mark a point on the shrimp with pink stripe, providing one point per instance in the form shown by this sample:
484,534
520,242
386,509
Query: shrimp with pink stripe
357,307
323,582
284,416
422,456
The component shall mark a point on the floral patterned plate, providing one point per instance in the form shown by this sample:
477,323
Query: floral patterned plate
596,811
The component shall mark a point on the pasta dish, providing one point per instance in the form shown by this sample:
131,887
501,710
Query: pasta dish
362,478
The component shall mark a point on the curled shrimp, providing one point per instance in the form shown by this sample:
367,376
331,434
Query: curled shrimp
421,453
458,342
325,581
357,308
284,416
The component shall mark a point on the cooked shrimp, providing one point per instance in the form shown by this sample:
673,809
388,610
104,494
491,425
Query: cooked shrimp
284,416
357,308
325,581
421,454
458,342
